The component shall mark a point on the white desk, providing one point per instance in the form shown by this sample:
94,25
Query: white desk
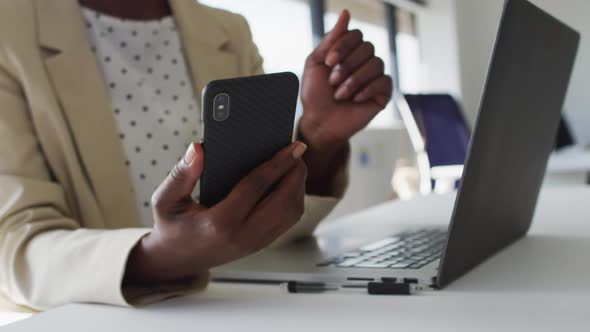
568,166
539,284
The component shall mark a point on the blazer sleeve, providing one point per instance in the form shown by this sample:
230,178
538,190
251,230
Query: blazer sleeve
316,207
46,258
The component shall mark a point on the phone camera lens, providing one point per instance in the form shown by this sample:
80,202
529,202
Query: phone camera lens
221,104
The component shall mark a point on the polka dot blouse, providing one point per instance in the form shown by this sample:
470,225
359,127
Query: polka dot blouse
151,96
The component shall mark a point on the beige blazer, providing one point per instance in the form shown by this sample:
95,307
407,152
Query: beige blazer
67,214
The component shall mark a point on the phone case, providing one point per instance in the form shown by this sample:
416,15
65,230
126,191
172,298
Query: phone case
260,123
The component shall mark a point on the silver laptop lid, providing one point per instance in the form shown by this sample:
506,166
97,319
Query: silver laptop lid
513,137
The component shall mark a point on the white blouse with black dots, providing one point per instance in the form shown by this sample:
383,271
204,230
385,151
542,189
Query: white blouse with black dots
151,95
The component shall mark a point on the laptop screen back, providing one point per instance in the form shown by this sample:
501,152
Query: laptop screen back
513,137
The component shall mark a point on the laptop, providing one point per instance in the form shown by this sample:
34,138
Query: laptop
513,137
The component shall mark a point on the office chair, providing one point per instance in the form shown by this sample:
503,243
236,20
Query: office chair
440,137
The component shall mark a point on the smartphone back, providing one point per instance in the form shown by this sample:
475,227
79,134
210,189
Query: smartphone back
258,123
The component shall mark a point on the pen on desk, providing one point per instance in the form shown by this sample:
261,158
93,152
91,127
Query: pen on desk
372,288
317,287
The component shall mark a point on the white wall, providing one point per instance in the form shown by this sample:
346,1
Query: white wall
477,24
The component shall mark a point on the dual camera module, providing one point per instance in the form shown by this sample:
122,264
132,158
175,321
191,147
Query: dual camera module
221,107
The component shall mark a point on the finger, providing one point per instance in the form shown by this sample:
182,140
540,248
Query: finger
276,213
319,54
248,192
359,79
343,47
174,193
363,53
379,90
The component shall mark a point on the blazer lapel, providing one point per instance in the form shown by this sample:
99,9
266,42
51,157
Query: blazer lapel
206,44
80,88
79,85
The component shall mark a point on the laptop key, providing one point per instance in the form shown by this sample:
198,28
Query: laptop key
391,256
420,248
372,265
420,256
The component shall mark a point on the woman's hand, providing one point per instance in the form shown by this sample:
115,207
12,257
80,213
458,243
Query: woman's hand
344,87
189,238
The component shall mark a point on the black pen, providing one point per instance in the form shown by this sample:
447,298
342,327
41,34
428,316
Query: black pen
319,287
373,288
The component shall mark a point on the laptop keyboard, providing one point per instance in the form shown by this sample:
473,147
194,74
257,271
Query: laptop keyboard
408,250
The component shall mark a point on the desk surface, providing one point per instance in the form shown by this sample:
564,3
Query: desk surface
570,159
538,284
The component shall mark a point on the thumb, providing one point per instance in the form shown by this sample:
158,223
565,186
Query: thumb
175,191
341,26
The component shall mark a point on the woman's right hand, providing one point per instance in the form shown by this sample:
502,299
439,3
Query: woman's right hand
189,239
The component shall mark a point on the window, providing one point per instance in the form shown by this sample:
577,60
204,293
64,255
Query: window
281,30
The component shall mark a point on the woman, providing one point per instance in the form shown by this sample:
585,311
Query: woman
99,97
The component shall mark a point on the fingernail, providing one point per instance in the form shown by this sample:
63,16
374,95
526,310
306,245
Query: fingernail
340,93
332,59
190,154
299,150
335,76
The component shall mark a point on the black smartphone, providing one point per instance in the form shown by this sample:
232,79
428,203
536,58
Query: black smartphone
247,120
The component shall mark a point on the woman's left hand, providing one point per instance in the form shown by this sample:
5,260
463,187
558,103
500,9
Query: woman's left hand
344,87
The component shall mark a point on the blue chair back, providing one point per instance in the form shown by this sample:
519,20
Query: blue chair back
443,126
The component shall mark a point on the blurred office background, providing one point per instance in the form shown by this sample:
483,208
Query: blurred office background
437,48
